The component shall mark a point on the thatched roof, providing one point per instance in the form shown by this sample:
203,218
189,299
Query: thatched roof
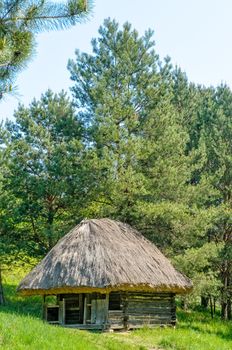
103,255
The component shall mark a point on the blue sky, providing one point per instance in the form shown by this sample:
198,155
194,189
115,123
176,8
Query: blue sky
196,34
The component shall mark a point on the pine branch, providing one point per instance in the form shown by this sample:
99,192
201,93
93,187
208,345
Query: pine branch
37,18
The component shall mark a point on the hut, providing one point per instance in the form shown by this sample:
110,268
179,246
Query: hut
105,275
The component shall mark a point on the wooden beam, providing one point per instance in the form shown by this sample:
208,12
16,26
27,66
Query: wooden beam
43,307
85,310
63,313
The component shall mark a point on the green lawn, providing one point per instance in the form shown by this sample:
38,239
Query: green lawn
21,328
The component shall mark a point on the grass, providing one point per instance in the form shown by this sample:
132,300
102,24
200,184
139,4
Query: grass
21,328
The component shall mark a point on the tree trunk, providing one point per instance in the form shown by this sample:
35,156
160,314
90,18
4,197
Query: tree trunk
229,294
225,298
183,303
224,304
214,305
226,280
229,309
204,302
50,231
211,306
2,299
224,311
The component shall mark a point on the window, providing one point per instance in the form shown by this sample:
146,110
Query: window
53,314
115,301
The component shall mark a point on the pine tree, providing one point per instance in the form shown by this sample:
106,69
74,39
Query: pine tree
217,136
115,87
209,128
42,179
134,133
20,20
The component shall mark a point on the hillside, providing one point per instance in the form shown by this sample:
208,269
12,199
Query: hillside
21,328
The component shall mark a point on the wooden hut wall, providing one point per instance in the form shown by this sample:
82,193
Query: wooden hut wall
116,310
139,309
149,309
78,310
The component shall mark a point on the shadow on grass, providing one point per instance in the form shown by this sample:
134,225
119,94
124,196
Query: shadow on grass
14,303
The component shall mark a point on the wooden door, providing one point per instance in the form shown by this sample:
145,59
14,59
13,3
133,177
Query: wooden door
98,311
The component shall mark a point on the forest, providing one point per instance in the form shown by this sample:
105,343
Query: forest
137,142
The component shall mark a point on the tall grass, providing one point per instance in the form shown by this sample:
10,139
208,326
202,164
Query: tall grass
21,328
195,331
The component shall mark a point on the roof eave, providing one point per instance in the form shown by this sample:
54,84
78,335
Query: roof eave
175,289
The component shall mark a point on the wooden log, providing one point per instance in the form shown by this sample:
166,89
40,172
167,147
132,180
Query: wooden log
85,326
148,308
150,311
61,312
147,317
142,323
150,301
115,315
153,296
116,320
117,326
154,325
44,316
107,308
85,311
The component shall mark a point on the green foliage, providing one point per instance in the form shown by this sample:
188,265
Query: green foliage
122,97
139,143
20,20
43,149
202,265
161,151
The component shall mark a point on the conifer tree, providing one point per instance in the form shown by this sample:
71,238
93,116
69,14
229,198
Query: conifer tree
43,175
113,89
217,137
206,114
20,20
136,140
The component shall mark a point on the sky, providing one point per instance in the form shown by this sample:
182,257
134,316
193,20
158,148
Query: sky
196,34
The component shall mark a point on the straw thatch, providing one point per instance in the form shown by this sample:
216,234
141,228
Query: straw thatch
102,256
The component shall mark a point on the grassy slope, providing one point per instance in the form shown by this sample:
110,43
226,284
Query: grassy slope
22,328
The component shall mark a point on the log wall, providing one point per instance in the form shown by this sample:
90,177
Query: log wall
143,309
117,310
